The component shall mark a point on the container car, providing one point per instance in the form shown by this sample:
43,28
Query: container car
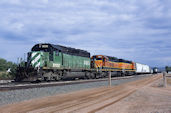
142,68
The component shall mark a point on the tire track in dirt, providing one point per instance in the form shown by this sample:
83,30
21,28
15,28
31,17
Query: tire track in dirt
83,100
95,99
142,83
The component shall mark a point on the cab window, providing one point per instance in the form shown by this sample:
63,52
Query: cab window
98,58
57,53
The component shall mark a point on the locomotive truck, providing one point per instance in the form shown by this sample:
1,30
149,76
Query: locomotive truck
55,62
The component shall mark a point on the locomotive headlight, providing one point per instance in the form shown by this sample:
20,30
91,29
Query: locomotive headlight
45,46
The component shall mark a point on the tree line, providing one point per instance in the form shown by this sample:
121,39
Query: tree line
168,69
7,69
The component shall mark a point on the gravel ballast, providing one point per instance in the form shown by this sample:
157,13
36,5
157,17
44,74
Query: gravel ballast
13,96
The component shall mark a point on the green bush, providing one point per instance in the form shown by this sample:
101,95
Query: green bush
4,66
4,75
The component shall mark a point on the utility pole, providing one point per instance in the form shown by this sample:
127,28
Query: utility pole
109,78
164,79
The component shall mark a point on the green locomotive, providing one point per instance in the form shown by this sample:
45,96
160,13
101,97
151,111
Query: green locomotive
54,62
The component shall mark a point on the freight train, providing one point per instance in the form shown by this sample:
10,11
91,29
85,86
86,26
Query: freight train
47,62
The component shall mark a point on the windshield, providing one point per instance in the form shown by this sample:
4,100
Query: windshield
95,58
44,48
98,58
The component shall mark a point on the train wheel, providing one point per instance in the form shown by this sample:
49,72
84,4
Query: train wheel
122,74
47,76
57,77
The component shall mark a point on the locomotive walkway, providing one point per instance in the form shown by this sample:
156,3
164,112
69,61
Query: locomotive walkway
105,99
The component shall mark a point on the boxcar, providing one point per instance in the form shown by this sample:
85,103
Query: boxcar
142,68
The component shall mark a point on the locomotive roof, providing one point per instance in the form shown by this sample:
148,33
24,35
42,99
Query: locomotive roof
112,58
123,60
67,50
115,59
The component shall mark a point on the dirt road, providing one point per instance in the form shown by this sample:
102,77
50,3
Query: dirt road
115,99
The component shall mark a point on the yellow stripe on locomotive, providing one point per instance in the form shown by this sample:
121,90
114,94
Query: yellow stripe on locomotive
106,62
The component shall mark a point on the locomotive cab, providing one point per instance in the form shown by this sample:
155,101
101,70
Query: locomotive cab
97,61
49,56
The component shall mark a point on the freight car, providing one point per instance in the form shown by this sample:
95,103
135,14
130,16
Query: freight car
142,69
55,62
155,70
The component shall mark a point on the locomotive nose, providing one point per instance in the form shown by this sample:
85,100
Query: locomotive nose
35,59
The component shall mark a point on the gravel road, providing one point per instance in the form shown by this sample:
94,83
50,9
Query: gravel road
27,94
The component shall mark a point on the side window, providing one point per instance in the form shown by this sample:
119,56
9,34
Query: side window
51,55
57,53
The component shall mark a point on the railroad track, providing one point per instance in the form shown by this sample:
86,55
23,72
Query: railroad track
90,101
18,86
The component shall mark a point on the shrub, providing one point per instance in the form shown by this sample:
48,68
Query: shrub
4,66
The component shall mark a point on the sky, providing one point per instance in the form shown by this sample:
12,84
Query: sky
137,30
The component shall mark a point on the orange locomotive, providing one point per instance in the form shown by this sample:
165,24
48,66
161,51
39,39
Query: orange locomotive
117,66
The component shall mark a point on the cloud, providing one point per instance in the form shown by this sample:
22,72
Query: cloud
12,50
134,30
